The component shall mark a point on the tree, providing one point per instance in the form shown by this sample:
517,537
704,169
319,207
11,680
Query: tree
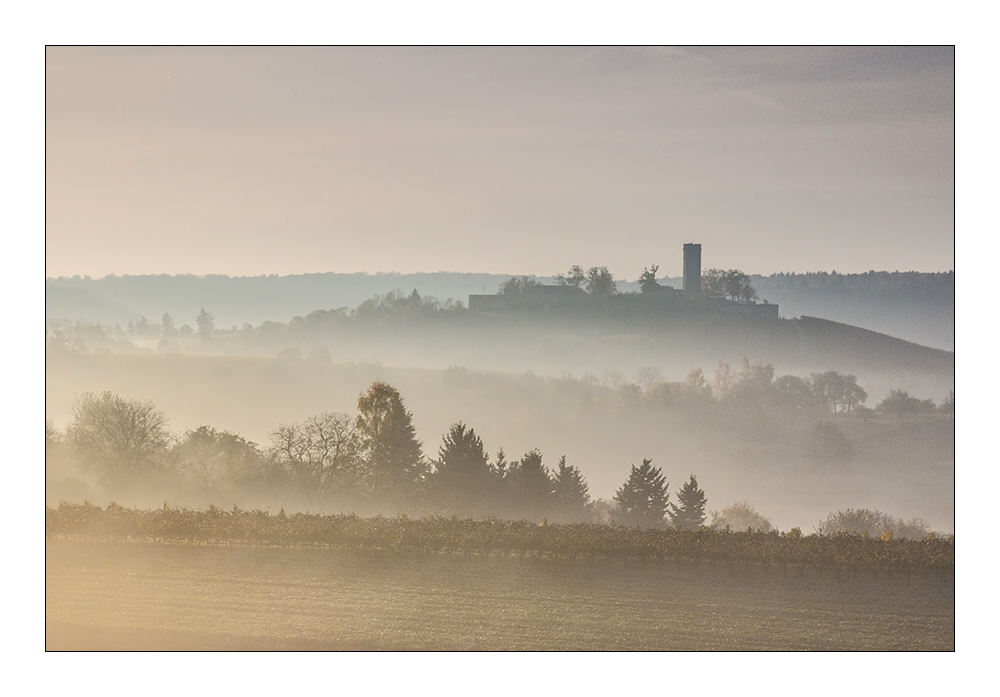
320,456
841,393
214,460
647,280
864,521
390,450
600,281
571,493
168,326
794,394
948,404
731,285
642,499
206,324
740,516
517,286
648,377
463,480
690,514
123,442
900,403
530,486
575,277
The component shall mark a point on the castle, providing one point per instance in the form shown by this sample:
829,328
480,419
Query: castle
665,301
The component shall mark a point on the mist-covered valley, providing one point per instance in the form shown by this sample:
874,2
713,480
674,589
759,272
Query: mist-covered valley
731,400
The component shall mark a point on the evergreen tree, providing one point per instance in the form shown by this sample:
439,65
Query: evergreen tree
531,487
642,499
463,481
206,324
571,493
167,323
690,514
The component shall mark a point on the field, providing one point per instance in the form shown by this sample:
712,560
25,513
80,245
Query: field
119,595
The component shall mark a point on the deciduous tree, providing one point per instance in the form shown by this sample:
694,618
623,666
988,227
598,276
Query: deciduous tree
574,277
121,441
600,281
740,516
320,456
732,285
392,454
647,280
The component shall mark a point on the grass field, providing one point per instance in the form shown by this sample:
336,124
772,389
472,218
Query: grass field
114,595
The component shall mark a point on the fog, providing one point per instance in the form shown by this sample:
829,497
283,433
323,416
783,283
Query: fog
589,390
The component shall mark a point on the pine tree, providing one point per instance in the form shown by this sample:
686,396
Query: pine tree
206,324
571,493
167,323
642,499
690,514
531,487
463,481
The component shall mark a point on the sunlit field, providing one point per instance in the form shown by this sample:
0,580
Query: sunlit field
141,596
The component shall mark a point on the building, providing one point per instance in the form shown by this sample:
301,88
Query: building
692,268
568,300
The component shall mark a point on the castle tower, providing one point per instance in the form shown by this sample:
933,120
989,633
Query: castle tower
692,268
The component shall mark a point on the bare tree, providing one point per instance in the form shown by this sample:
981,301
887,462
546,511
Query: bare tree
121,441
320,455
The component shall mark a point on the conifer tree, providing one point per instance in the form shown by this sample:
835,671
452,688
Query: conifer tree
690,514
571,493
642,499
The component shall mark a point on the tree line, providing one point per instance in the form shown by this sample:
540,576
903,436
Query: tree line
372,460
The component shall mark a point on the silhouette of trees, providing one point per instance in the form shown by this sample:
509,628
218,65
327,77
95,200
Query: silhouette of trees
389,448
948,404
571,494
731,285
320,456
740,516
841,393
864,521
216,460
206,324
167,325
642,499
647,280
574,277
517,285
900,403
690,514
121,441
530,486
600,281
463,480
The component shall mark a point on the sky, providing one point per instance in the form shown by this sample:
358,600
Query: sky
249,161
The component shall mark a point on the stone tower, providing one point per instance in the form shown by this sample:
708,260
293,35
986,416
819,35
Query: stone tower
692,268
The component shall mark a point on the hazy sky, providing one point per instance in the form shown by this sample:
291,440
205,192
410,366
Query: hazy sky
253,161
